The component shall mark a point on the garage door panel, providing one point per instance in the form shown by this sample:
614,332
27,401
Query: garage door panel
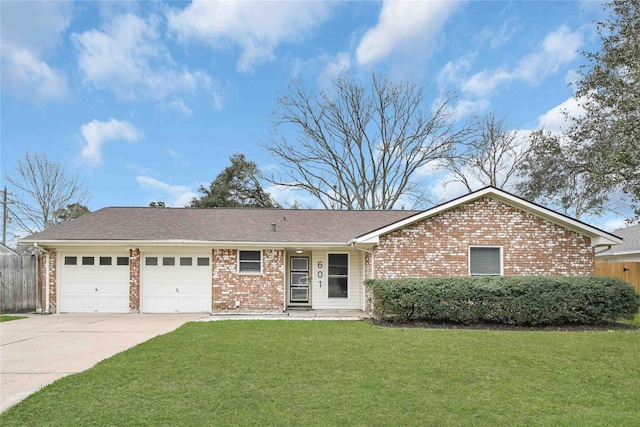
176,288
93,288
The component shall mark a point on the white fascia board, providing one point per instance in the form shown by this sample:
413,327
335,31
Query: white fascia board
198,243
598,237
608,253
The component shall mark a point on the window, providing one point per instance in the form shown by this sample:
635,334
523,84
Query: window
203,262
168,260
71,260
151,260
485,261
88,260
338,275
186,261
123,260
105,260
249,262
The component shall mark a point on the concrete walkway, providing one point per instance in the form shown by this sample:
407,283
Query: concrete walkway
291,314
37,351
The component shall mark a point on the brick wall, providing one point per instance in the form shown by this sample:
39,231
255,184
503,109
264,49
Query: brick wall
439,246
263,291
134,280
42,274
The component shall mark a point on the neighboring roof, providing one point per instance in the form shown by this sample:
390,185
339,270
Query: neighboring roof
6,250
630,244
240,225
598,237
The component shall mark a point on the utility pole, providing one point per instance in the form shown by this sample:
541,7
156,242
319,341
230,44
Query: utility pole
4,216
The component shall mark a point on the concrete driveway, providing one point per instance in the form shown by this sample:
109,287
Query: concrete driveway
37,351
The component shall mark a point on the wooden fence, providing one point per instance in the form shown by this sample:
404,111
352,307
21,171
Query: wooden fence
628,271
18,287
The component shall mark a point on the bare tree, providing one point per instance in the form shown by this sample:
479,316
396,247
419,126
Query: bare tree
490,156
41,189
357,146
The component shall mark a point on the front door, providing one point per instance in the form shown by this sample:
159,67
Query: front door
299,280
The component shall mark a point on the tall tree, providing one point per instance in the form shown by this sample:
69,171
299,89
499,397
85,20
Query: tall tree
39,189
71,212
603,143
356,145
553,178
237,185
489,156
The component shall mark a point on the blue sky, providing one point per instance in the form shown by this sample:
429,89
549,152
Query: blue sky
147,100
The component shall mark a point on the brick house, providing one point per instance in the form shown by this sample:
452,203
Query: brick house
165,260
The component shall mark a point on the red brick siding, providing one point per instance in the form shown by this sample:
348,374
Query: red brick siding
439,246
134,280
263,291
53,256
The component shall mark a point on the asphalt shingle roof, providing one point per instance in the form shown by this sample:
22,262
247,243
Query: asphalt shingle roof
631,242
221,225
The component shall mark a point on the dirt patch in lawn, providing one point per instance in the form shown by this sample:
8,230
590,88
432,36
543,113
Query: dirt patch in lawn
569,327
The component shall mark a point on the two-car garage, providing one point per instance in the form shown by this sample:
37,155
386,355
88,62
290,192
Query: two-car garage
100,282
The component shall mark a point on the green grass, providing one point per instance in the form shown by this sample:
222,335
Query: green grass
351,374
8,318
635,321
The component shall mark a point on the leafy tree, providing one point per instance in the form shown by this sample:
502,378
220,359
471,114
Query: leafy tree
72,211
490,156
40,188
603,143
554,179
157,205
237,185
356,145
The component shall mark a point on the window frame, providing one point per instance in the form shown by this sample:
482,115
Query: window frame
88,260
200,259
71,260
168,261
102,260
119,261
240,262
329,276
186,261
500,256
149,263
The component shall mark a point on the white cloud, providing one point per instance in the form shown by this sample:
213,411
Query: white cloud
289,196
96,133
179,195
466,107
257,27
405,26
128,58
337,65
28,32
558,49
614,224
554,120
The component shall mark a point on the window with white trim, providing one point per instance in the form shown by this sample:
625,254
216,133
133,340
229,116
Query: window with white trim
249,261
485,261
338,275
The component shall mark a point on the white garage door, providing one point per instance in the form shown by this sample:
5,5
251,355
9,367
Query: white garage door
176,283
95,283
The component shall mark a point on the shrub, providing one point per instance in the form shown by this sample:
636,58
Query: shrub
512,300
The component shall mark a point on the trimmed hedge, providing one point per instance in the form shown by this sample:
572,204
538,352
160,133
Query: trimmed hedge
510,300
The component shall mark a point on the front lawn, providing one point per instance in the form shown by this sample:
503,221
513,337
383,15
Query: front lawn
350,373
10,317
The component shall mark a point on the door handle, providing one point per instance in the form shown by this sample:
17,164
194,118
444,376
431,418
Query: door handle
177,290
96,289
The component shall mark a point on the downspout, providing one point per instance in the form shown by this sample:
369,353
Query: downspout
45,309
373,270
370,252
